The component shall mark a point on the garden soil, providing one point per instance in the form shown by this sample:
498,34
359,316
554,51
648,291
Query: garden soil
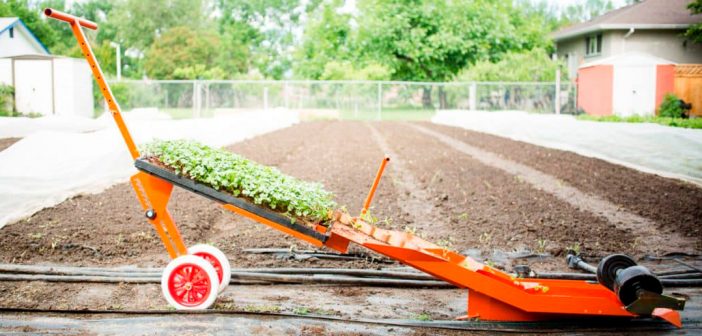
430,188
7,142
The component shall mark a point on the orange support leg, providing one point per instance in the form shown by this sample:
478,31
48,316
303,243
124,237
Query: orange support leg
376,181
153,194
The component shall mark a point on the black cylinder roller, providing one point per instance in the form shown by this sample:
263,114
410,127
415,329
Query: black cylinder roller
608,268
619,273
633,279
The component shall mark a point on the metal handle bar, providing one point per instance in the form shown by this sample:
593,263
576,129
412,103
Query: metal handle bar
70,18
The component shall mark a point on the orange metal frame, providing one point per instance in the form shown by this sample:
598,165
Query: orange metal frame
493,294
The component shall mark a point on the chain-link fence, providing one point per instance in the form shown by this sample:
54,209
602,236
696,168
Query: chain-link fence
341,99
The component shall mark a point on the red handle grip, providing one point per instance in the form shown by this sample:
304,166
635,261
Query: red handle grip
52,13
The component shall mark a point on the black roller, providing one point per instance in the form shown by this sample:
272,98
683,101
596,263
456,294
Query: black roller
608,267
630,280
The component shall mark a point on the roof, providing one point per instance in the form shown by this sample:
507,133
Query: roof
9,22
647,14
35,57
629,59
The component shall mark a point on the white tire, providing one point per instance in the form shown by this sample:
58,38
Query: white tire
217,259
190,283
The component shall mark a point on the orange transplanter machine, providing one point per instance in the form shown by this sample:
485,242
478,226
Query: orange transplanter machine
197,274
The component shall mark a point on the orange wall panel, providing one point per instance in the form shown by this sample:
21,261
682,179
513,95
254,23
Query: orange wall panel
595,89
665,82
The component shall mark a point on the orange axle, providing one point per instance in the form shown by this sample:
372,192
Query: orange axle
493,294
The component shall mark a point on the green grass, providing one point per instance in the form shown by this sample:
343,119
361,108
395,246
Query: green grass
665,121
388,114
17,114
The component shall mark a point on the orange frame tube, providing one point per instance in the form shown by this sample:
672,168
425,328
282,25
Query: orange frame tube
376,181
76,23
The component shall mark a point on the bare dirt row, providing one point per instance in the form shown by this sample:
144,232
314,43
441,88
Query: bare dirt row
7,142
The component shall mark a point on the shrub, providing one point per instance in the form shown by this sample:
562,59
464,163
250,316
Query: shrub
530,66
6,100
670,107
229,172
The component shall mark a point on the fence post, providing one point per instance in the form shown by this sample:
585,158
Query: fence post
557,98
194,98
265,98
472,97
207,98
380,100
286,98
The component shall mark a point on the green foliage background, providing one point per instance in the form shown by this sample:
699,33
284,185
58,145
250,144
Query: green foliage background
694,33
414,40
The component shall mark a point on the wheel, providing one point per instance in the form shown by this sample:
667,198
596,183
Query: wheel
631,280
189,283
217,259
608,267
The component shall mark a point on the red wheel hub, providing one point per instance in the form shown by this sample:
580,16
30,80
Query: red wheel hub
189,285
215,263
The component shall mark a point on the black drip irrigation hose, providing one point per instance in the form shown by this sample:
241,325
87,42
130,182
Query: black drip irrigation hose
582,325
250,276
146,272
262,276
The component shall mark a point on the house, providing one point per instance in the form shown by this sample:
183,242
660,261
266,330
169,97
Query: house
43,84
16,39
655,27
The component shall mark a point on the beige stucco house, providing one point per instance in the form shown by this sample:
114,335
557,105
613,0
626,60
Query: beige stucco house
655,27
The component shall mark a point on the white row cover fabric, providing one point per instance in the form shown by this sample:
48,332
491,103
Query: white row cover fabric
59,158
666,151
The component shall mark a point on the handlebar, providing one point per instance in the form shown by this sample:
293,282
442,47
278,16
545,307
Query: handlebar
58,15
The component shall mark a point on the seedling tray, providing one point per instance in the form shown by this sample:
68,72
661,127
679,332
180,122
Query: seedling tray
225,198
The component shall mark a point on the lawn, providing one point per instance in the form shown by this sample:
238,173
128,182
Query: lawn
389,114
665,121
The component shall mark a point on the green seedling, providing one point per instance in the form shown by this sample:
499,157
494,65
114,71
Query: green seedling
541,246
232,173
423,317
575,248
301,311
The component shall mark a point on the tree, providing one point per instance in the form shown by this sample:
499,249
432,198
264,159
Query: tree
31,16
694,33
267,27
139,23
182,51
433,40
326,38
345,70
530,66
587,10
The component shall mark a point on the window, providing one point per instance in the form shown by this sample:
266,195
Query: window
12,32
593,45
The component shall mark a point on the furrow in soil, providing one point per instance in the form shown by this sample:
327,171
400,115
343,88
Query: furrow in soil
650,235
415,202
